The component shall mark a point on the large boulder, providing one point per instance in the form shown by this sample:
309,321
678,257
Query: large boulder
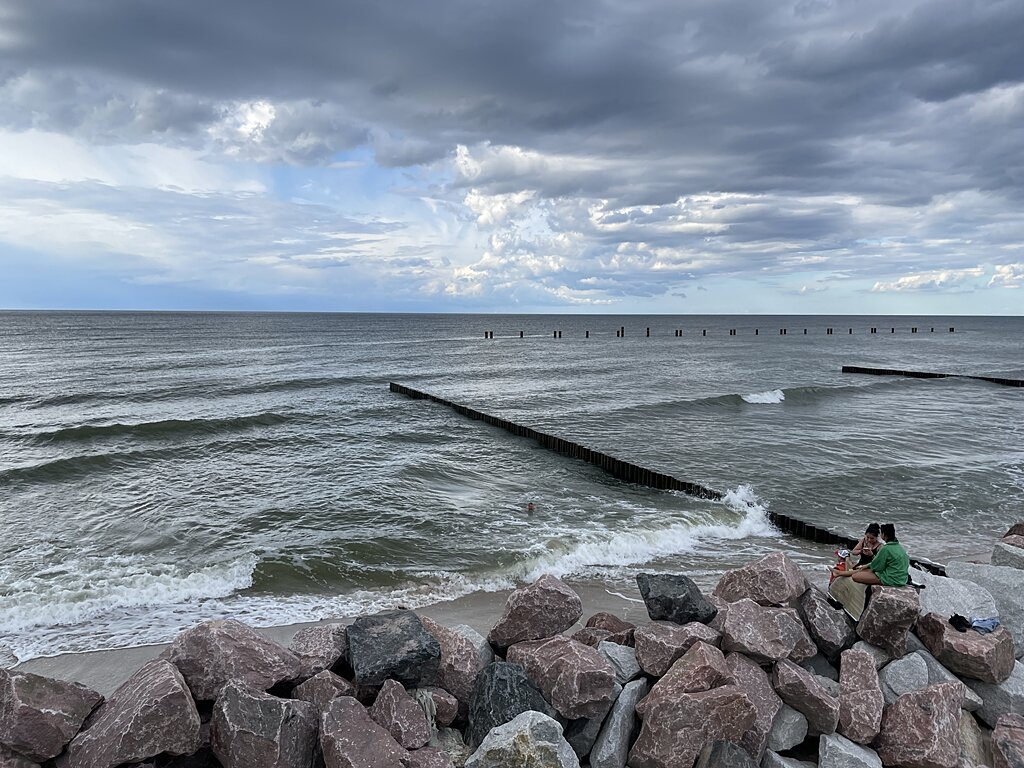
922,729
620,727
530,739
788,730
1000,699
1008,742
582,732
575,678
351,739
535,612
1017,529
975,744
860,697
393,645
939,674
986,657
1004,585
946,596
879,656
834,751
674,597
460,661
591,636
40,715
150,713
903,676
804,693
677,729
211,653
397,712
749,676
724,754
11,759
429,757
658,645
502,692
609,622
319,648
772,580
322,688
889,615
701,668
252,729
1008,553
478,641
623,659
830,629
765,634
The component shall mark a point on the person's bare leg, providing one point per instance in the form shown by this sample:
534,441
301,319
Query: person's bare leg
866,576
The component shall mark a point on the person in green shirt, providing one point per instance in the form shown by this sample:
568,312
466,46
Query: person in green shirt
890,567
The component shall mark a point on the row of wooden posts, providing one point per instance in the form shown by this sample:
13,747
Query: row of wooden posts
620,333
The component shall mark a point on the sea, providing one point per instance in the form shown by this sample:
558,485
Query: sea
157,469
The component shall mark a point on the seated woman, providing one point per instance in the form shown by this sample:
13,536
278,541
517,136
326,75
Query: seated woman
868,546
890,567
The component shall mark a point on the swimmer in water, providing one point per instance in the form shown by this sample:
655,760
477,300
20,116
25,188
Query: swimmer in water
529,508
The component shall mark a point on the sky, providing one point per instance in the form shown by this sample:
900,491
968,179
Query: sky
606,156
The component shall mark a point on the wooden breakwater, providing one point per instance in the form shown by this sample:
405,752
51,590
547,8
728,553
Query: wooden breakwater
929,375
625,470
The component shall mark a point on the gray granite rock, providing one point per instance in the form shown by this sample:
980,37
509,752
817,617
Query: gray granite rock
820,666
773,760
450,741
150,713
393,645
835,751
429,757
619,728
724,754
211,653
252,729
788,730
903,676
529,739
674,597
1004,584
1005,698
40,715
1008,555
878,655
974,746
535,612
946,596
623,660
937,673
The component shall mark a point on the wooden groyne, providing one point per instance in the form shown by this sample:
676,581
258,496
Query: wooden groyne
625,470
930,375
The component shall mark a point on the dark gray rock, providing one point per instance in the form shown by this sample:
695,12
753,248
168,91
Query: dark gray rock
835,751
788,729
674,597
724,754
619,729
830,629
821,667
582,733
150,713
529,739
252,729
351,739
502,692
903,676
211,653
319,648
395,646
40,715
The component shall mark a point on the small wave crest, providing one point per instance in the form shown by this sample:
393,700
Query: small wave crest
765,398
159,429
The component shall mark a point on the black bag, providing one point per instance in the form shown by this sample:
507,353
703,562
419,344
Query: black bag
959,623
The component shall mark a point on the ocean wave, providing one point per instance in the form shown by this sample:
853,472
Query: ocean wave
159,429
765,398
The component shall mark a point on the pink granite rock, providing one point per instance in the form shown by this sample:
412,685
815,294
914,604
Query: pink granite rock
541,610
575,678
1017,529
764,634
211,653
772,580
40,715
460,662
989,657
321,689
830,628
591,636
319,648
150,713
398,713
609,621
446,706
1008,742
676,730
351,739
658,645
802,691
754,681
921,729
889,615
252,729
701,668
860,697
1014,540
722,607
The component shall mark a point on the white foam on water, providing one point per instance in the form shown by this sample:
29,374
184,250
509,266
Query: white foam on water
770,397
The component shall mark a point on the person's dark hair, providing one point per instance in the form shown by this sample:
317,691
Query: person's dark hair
888,530
873,529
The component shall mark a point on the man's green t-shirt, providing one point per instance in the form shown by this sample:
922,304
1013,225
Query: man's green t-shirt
891,565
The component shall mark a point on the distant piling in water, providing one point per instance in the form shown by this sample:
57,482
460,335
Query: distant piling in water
930,375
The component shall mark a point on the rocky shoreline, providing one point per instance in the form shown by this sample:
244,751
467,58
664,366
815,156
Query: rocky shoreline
762,671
